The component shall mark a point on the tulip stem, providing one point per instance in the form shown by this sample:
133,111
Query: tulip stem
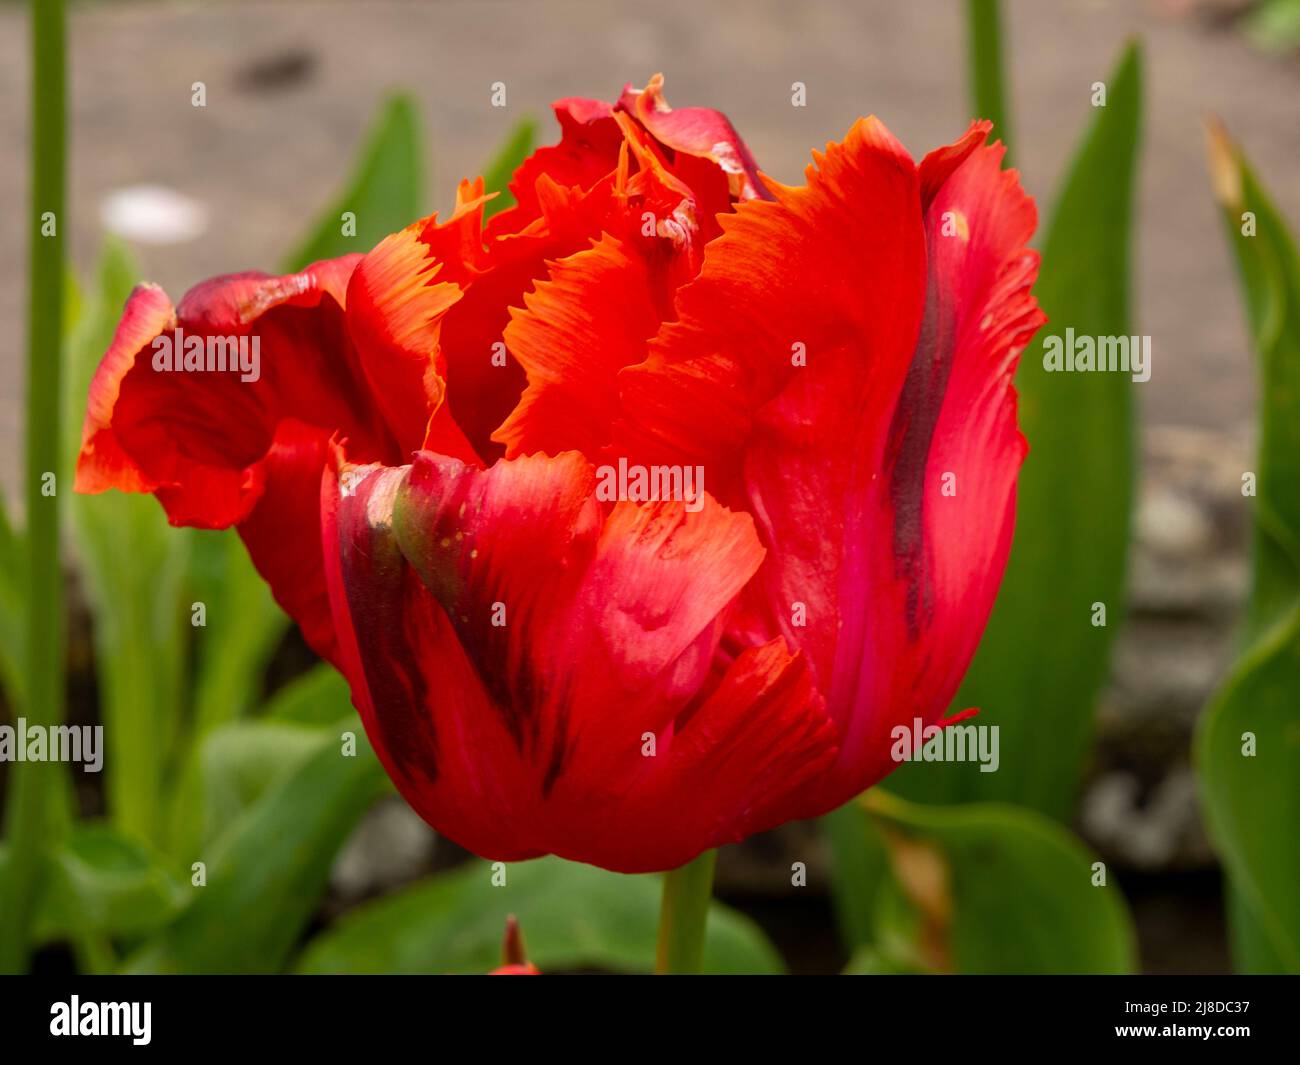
33,785
683,915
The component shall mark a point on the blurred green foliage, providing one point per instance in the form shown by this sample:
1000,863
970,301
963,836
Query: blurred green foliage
573,916
518,146
387,190
1274,25
993,888
1248,746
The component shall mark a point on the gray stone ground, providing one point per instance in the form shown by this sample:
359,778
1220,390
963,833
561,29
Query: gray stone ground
291,87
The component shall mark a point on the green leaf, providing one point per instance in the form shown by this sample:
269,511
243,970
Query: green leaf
232,768
1041,663
858,868
235,764
266,874
13,550
133,566
572,916
1248,743
499,172
98,882
1252,801
319,697
1270,277
989,888
385,193
242,627
106,884
868,961
12,636
1274,25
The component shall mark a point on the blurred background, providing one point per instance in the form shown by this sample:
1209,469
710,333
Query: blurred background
292,87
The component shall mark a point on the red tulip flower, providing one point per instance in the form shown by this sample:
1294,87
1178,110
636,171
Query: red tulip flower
638,516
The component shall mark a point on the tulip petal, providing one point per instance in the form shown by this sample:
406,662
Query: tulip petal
835,266
754,745
622,603
939,164
510,646
396,303
590,142
697,131
280,531
929,538
483,386
599,307
607,177
218,450
591,317
102,464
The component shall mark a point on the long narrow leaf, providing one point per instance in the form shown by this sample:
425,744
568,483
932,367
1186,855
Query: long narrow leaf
1248,744
986,67
242,626
385,192
497,176
266,874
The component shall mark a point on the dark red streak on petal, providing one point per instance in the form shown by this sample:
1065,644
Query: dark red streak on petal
910,436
